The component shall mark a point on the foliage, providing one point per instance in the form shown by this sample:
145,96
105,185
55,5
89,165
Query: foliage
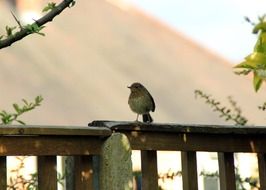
241,183
34,28
256,61
9,118
234,114
12,35
169,175
228,114
19,181
49,6
262,107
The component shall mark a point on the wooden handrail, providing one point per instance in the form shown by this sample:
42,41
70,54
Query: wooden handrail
47,142
209,138
54,130
225,140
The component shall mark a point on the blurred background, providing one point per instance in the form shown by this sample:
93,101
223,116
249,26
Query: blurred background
94,50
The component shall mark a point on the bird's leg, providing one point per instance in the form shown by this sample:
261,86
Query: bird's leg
137,119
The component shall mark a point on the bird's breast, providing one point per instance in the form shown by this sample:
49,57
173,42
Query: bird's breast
140,104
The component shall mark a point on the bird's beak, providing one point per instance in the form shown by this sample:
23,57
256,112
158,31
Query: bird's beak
129,87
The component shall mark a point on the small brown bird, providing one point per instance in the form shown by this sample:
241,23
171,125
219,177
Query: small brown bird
141,102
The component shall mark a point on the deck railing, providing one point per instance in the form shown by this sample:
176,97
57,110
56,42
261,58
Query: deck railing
107,137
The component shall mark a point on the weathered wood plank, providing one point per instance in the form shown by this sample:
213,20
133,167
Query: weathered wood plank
180,128
226,171
55,130
262,170
149,170
189,170
47,174
50,145
140,140
83,176
3,174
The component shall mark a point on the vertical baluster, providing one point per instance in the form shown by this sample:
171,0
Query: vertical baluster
189,170
69,172
96,162
83,179
3,177
47,174
227,171
149,170
262,170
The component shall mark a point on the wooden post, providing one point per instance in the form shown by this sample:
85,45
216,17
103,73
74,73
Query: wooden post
149,170
116,165
83,172
47,174
3,177
96,160
69,172
189,170
262,170
227,171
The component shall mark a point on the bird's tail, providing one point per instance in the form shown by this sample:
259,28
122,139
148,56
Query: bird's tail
147,118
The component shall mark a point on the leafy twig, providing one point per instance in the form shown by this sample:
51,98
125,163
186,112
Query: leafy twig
240,181
169,175
234,114
262,107
18,180
25,31
8,118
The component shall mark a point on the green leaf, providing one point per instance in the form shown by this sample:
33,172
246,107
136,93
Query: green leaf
38,100
49,6
40,33
243,72
260,26
25,101
257,81
260,45
9,30
255,60
34,28
246,65
16,107
21,122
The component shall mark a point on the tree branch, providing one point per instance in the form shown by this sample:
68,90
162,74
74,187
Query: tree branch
24,31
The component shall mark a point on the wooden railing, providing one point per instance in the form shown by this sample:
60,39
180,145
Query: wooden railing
85,142
48,142
225,140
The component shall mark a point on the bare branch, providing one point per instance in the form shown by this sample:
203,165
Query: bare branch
40,22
